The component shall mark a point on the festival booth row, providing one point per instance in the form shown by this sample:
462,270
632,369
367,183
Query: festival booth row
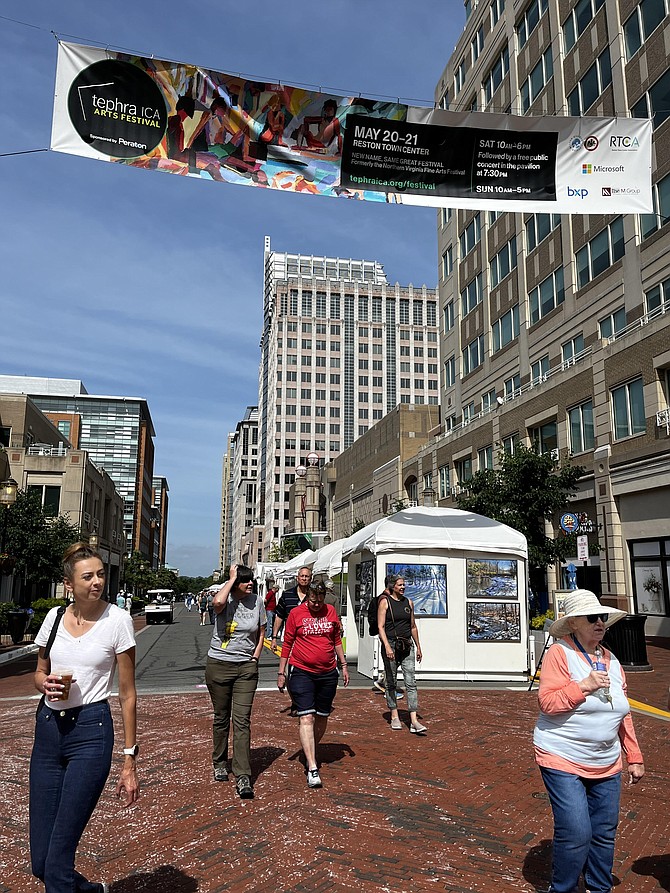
467,576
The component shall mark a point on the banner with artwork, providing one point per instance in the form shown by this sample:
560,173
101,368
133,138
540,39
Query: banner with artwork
191,121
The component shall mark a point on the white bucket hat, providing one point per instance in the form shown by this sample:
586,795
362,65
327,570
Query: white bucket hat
581,603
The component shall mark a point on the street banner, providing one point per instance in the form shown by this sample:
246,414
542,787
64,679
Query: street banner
191,121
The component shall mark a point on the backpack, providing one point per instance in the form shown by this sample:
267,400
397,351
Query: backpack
373,607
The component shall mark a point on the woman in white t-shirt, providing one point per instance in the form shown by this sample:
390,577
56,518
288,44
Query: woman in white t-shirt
74,735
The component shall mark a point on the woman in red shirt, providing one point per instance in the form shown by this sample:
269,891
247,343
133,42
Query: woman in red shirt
311,642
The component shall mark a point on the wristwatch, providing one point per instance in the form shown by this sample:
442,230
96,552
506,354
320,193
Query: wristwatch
131,751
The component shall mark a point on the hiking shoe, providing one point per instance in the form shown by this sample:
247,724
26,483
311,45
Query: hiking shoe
314,779
418,729
244,789
396,725
220,773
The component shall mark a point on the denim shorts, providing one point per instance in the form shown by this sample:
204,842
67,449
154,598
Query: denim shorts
312,692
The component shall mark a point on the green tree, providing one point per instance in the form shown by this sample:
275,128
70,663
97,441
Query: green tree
523,491
283,551
164,579
138,574
37,541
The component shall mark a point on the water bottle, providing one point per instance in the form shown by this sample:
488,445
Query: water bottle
601,667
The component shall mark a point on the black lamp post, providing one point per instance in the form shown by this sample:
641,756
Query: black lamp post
8,491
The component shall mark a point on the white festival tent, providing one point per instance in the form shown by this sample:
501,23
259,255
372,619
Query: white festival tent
472,618
328,559
291,568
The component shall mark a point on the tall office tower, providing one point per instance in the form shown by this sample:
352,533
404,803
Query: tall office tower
555,328
341,347
225,548
243,477
117,433
159,521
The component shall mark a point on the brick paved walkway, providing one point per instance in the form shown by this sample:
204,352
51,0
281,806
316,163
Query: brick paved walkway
462,809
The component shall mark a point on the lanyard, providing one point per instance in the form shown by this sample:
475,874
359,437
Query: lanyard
584,653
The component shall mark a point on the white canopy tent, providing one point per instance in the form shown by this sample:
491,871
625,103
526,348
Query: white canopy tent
467,575
328,559
290,568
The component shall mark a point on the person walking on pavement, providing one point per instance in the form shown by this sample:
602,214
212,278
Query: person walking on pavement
399,639
74,734
231,673
202,607
270,606
584,725
288,600
311,644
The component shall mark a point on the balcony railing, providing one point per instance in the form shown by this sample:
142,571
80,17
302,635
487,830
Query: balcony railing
46,449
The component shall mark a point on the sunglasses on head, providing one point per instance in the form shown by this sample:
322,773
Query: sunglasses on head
594,618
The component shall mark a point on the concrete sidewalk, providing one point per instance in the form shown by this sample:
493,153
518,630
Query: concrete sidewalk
462,809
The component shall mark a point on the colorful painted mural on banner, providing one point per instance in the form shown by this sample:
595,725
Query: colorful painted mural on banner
196,122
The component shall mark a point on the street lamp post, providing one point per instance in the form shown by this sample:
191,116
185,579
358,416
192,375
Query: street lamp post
8,492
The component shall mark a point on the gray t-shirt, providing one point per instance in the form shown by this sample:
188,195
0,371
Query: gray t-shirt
235,633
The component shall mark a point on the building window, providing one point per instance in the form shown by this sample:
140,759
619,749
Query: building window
545,437
489,401
645,18
650,223
49,497
459,77
496,74
657,300
463,469
449,316
539,370
505,329
443,475
628,409
470,235
591,85
530,20
538,79
654,103
477,44
485,458
538,228
504,262
497,8
546,296
469,412
510,443
650,566
473,355
580,425
579,18
600,252
471,295
572,349
610,326
64,427
450,372
512,386
448,262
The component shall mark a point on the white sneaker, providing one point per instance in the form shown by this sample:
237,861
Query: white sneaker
313,778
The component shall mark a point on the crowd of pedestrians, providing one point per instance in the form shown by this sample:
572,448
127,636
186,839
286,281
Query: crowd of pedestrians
582,734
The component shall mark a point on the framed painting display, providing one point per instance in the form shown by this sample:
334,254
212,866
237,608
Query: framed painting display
494,622
426,585
494,578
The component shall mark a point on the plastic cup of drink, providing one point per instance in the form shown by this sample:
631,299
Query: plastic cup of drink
65,681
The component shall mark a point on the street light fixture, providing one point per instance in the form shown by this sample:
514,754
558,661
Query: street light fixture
8,492
428,497
93,541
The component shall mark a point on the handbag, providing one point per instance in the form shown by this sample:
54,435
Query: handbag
47,647
402,645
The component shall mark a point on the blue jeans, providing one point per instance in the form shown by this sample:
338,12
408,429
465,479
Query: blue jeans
586,814
69,766
269,624
409,675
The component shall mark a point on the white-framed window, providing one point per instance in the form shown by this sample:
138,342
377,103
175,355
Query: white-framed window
600,252
485,458
545,437
612,324
448,316
306,303
656,301
572,349
493,216
530,20
628,409
473,355
431,313
489,400
537,80
469,412
505,329
580,426
444,101
650,223
510,443
512,386
538,228
496,74
580,16
417,313
471,295
459,77
471,235
539,370
497,8
643,21
463,469
450,372
504,262
546,296
477,44
591,85
443,477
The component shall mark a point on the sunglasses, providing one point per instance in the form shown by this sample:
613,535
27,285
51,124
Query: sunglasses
594,618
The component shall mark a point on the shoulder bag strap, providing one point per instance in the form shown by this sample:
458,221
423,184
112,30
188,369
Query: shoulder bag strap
54,630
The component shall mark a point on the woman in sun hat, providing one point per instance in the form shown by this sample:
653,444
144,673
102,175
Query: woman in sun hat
583,727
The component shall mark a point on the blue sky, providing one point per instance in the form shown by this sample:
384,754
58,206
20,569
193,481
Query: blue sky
150,285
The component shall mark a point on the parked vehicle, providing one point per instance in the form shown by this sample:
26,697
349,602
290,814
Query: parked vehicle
160,607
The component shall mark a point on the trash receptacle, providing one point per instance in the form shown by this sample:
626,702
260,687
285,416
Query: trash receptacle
17,622
626,639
